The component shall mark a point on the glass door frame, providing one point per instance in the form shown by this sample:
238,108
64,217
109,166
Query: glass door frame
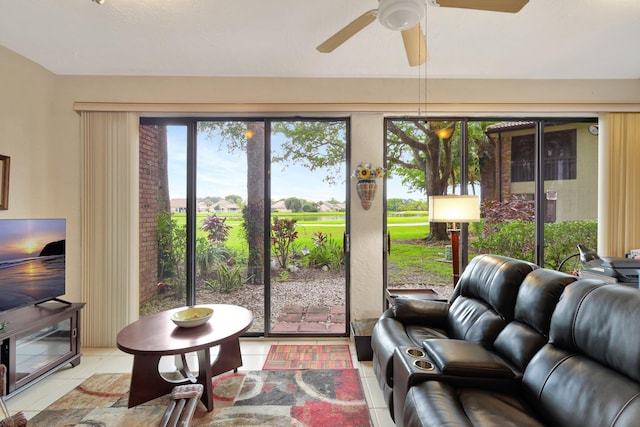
539,182
191,124
267,224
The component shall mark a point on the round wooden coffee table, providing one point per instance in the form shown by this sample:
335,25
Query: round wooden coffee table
152,337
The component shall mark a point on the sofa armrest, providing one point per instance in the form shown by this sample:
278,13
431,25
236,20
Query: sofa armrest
387,314
421,312
467,359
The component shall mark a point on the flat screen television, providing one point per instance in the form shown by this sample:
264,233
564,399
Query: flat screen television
32,261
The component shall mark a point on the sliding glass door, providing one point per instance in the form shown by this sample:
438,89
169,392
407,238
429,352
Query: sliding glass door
422,159
211,231
308,293
536,180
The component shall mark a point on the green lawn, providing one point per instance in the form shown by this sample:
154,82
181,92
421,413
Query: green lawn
408,256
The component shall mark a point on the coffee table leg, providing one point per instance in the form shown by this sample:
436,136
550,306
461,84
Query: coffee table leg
205,377
229,357
146,381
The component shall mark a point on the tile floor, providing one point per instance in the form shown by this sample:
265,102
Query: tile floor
111,360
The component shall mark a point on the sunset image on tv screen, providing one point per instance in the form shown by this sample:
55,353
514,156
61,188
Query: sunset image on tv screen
32,261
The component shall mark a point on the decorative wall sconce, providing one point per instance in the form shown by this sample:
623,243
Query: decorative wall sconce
366,184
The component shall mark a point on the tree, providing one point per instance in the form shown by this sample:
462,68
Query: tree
294,204
247,137
426,155
310,207
315,145
234,198
485,155
253,212
420,153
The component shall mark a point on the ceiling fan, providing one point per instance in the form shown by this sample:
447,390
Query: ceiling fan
405,16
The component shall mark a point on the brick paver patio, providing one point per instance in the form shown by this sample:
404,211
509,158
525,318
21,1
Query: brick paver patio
312,319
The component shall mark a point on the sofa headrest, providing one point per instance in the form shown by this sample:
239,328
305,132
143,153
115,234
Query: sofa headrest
537,298
600,321
495,280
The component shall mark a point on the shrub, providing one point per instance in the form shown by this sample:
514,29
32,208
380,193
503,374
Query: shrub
496,213
208,254
562,238
177,286
165,252
217,231
326,252
516,239
228,279
513,239
283,234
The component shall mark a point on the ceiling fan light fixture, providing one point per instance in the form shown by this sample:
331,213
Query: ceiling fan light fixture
400,15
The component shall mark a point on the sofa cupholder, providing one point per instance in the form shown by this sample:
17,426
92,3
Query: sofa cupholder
423,364
415,352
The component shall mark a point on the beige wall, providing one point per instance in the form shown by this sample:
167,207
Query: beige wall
45,161
40,130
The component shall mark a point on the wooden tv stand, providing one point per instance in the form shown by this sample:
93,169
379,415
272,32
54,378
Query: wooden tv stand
38,340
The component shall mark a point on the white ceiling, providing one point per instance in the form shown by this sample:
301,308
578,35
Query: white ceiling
564,39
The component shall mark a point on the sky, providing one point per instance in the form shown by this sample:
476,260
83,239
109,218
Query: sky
23,238
221,174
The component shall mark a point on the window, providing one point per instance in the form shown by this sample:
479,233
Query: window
560,156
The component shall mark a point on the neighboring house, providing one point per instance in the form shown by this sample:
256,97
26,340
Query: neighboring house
224,206
331,207
570,167
179,205
279,206
204,207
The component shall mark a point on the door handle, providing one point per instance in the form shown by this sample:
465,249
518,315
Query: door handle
388,243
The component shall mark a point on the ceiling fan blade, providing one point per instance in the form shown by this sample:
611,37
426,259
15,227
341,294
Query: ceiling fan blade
510,6
348,31
415,45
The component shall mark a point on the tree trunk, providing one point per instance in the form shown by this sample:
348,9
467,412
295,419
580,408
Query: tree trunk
254,211
439,168
488,171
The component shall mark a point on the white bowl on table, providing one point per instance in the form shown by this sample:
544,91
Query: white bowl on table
192,316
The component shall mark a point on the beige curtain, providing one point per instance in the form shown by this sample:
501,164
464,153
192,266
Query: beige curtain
619,180
109,225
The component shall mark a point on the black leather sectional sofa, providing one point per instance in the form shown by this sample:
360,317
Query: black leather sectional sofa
515,346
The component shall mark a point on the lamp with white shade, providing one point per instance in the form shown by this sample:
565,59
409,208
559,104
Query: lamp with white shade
454,210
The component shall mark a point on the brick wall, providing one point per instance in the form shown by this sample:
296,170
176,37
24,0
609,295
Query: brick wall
505,161
151,173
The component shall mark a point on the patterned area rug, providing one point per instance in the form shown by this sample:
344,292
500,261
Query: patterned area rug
308,357
257,398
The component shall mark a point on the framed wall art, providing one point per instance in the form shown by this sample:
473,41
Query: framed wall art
4,182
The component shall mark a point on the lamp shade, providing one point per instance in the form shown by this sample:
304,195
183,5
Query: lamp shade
454,208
